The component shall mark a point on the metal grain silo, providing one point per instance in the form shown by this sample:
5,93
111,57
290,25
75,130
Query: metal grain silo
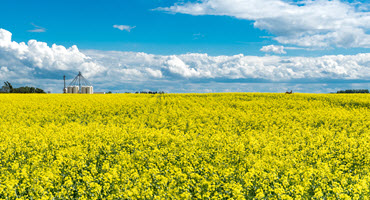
84,89
75,90
70,89
89,90
79,85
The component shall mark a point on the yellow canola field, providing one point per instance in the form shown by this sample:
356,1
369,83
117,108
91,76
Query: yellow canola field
185,146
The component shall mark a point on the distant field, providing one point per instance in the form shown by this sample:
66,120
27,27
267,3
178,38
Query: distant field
185,146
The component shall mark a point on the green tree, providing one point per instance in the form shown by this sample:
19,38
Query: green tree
38,90
8,88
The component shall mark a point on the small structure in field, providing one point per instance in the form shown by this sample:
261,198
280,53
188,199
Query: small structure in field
79,85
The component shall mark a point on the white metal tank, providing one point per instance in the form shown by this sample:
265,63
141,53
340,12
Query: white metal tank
70,89
65,90
84,90
75,89
89,90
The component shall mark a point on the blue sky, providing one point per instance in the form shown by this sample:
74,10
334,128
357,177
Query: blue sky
260,30
88,24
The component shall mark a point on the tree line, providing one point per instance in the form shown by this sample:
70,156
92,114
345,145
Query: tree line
8,88
354,91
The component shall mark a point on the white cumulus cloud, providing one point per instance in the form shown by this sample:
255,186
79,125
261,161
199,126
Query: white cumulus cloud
320,23
202,66
35,62
124,27
38,55
273,49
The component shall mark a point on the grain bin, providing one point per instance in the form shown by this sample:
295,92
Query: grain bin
75,90
89,90
70,89
79,85
84,89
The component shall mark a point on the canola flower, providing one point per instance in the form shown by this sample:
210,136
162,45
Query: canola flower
185,146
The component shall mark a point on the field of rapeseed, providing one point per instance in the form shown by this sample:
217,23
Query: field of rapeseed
185,146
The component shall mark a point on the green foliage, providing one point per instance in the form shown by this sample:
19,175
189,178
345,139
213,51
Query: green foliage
8,88
354,91
28,90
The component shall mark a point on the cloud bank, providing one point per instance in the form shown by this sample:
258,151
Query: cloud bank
202,66
38,64
308,23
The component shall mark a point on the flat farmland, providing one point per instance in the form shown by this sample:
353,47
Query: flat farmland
185,146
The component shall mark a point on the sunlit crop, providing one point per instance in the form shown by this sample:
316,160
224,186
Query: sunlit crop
195,146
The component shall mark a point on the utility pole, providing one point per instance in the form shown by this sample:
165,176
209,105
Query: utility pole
64,89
